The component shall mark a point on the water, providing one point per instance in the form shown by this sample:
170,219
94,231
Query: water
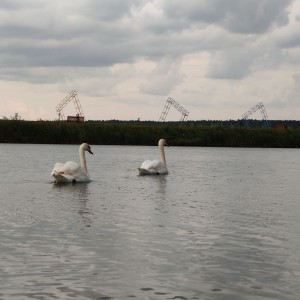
224,224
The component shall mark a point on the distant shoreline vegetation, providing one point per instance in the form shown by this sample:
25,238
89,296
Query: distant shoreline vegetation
281,134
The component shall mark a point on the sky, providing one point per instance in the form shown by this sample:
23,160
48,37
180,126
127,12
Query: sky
125,58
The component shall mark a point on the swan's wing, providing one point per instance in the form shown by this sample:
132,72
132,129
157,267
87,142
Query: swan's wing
153,167
57,168
69,172
146,164
151,164
147,168
70,168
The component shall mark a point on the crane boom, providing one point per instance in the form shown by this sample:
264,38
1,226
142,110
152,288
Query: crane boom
171,102
72,96
259,106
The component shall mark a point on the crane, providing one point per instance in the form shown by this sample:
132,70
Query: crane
169,102
258,106
72,96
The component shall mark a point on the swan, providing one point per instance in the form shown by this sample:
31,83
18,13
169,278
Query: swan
156,167
72,171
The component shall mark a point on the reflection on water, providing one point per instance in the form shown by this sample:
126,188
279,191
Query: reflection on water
162,185
222,225
79,193
77,190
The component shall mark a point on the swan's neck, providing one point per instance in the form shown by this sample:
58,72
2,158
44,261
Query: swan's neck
162,154
82,159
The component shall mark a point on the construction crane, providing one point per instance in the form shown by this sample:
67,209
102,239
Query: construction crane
258,106
72,96
169,102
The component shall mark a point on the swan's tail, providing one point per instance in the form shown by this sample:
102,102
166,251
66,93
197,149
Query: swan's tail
143,171
61,177
148,172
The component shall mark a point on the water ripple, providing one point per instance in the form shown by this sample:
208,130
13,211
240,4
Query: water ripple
221,225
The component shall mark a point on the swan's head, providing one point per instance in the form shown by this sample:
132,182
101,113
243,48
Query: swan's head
86,147
162,142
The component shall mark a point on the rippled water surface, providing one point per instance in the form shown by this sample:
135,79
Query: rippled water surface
224,224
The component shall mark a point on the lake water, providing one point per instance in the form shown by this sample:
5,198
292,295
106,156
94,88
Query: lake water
224,224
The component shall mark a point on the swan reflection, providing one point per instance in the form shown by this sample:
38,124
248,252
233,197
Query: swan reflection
78,194
162,185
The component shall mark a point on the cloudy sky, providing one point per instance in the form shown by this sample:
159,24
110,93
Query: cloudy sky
217,58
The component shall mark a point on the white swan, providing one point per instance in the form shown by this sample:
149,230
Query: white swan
72,171
155,167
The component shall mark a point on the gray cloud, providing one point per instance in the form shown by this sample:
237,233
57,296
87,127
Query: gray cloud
230,65
237,16
109,24
98,34
256,16
163,78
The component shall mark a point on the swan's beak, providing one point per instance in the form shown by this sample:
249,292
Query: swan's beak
89,150
166,144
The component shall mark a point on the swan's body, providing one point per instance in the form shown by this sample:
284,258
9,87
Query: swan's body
72,171
155,167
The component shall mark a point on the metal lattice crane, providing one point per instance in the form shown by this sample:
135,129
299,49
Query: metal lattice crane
258,106
171,102
72,96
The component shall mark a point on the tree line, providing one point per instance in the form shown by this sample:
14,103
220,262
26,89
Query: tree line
147,133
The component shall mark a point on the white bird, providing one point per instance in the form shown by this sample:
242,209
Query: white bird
155,167
72,171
